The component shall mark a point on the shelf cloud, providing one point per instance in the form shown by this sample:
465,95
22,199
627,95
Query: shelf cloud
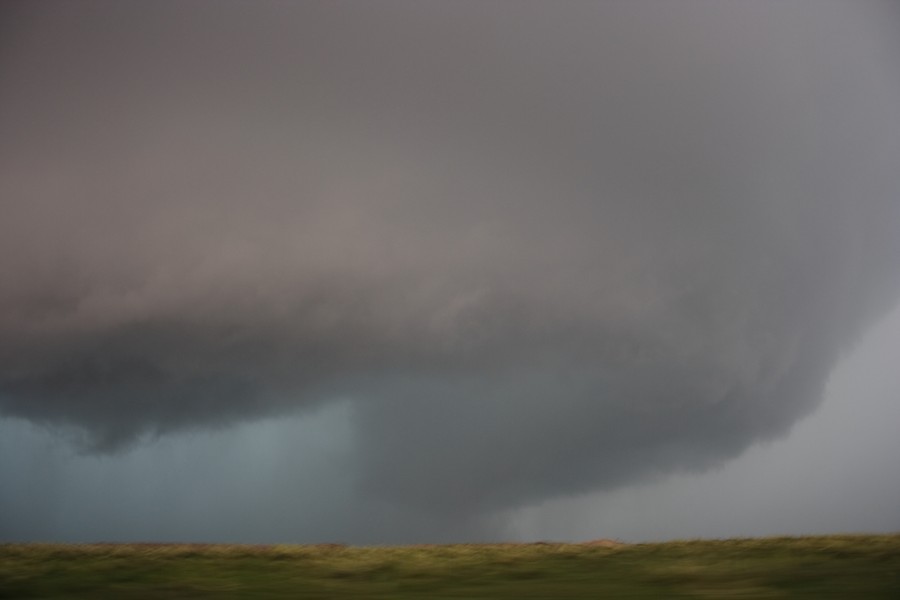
540,249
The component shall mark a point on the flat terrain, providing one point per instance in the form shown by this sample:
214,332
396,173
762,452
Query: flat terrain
864,566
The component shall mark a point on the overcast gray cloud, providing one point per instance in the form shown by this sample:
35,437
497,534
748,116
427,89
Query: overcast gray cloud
535,248
836,472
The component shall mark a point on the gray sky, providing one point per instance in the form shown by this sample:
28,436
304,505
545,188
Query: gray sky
434,271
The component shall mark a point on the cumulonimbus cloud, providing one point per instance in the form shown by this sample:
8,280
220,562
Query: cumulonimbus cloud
542,249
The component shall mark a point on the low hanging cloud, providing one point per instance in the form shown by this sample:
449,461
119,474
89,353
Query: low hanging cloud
540,248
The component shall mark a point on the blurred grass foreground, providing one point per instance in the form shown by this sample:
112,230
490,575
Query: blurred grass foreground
846,566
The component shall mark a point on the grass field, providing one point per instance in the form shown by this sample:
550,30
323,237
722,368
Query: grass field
853,567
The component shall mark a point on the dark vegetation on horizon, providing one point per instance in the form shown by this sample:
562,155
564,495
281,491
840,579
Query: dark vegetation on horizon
841,566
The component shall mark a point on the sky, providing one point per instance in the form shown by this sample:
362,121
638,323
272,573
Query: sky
406,272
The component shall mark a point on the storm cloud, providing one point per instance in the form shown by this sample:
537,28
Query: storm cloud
537,248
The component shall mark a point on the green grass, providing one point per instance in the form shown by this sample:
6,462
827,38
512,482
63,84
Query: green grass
863,566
